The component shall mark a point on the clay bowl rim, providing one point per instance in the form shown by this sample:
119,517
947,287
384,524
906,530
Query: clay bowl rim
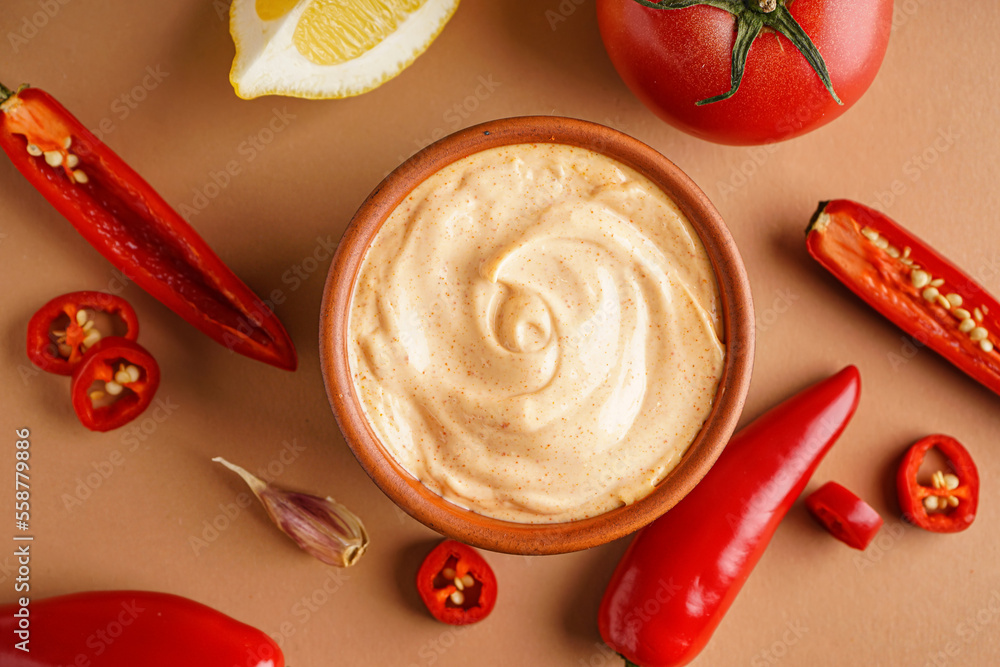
543,538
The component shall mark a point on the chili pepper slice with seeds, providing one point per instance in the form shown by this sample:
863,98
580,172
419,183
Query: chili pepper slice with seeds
114,383
125,220
66,327
917,289
848,518
457,584
129,629
949,504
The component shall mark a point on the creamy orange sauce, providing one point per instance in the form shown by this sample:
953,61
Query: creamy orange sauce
533,334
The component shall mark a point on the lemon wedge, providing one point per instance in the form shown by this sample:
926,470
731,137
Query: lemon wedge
328,48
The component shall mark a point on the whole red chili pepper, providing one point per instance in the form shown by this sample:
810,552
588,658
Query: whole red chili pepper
950,503
128,629
848,518
126,378
457,584
682,572
134,228
64,329
909,283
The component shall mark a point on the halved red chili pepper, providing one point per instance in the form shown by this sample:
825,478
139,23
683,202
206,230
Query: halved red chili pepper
64,328
114,382
127,629
681,573
848,518
134,228
917,289
457,584
949,504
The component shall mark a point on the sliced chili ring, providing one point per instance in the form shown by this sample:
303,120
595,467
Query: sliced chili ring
848,518
457,584
949,504
62,330
130,377
913,286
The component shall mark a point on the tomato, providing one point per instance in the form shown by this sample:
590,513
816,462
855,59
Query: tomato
674,58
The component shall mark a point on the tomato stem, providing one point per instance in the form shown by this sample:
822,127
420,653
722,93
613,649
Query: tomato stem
752,16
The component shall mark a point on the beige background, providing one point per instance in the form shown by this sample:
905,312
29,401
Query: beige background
811,601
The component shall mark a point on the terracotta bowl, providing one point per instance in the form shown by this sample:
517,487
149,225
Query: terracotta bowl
464,525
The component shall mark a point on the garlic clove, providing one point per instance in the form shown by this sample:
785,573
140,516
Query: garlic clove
322,527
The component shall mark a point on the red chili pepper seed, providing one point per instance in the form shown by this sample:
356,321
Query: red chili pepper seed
933,291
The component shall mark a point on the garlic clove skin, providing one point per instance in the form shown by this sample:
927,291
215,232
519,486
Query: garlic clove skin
321,527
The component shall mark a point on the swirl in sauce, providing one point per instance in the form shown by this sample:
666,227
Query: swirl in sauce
533,333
